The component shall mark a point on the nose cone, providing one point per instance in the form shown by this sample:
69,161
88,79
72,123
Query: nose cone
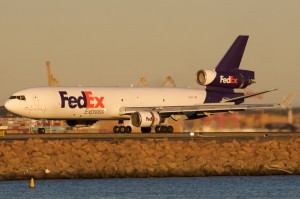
9,105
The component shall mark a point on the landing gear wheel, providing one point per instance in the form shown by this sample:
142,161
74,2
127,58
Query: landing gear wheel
116,129
163,129
128,129
122,129
146,129
41,130
170,129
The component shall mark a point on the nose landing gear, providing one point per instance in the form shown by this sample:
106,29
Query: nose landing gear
41,130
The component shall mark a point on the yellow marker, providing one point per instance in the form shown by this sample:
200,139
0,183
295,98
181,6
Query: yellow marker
2,133
31,183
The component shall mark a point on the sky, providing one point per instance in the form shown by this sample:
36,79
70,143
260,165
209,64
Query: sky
115,42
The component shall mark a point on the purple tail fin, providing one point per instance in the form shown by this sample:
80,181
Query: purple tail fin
227,76
233,57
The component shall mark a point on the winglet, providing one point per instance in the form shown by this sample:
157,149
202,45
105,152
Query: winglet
286,103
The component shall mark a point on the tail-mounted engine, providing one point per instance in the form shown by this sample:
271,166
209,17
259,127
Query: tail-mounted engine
145,119
233,79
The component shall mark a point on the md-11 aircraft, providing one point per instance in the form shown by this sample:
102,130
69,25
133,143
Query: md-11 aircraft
145,107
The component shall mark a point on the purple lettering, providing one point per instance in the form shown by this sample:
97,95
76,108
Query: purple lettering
63,98
73,102
82,101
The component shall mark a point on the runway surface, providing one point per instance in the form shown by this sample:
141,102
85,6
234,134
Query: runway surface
139,136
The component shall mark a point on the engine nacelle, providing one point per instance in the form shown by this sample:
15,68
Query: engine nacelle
145,119
234,79
74,123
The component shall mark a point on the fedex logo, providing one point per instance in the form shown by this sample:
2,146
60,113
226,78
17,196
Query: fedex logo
86,100
151,119
229,80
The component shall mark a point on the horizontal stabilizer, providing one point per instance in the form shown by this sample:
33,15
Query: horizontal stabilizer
247,96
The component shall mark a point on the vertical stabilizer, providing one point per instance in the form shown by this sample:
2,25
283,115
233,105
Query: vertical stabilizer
233,57
221,82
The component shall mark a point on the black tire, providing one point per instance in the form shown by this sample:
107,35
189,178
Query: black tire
146,129
128,129
116,129
41,130
163,129
170,129
122,129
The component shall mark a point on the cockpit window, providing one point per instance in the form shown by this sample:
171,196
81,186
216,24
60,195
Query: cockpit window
19,97
22,97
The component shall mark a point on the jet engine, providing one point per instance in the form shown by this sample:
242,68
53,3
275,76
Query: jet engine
233,79
145,119
74,123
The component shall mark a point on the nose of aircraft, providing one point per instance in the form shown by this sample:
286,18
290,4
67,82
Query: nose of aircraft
9,105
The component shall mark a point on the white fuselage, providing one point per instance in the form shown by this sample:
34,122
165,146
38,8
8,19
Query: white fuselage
97,102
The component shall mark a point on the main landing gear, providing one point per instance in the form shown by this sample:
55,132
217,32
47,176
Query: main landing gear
122,129
158,129
164,129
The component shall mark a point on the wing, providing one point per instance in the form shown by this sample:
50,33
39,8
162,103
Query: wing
206,109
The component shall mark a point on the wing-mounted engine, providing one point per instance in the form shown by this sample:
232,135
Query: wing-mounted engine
145,119
232,79
74,123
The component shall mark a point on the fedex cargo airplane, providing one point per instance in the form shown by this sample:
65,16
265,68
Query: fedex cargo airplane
144,107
